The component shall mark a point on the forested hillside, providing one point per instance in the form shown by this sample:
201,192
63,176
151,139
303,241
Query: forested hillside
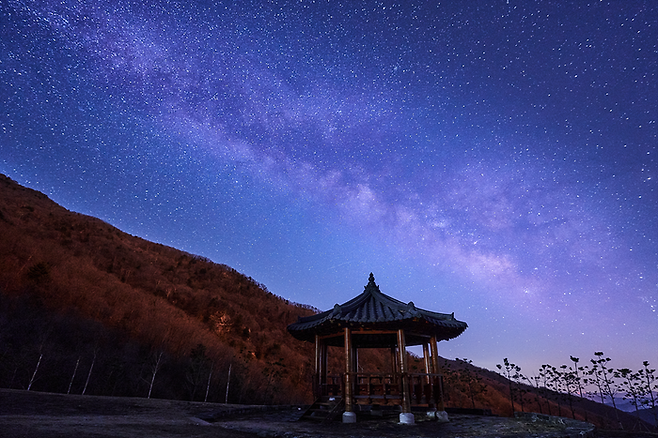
78,293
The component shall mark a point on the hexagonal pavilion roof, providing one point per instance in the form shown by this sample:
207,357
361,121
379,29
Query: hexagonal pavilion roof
374,318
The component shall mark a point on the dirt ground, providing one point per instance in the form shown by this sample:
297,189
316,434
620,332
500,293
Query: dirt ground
29,414
32,414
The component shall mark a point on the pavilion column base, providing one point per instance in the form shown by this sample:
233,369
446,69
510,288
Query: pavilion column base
407,418
440,416
349,417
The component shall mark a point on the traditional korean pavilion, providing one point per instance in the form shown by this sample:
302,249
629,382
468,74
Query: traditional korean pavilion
375,320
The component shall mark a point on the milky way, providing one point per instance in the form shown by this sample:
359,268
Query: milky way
496,159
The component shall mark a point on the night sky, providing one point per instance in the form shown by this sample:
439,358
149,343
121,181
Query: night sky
496,159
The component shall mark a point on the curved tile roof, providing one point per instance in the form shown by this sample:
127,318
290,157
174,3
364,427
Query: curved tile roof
375,311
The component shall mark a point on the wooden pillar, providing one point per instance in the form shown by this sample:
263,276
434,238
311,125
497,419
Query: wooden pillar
320,378
426,358
435,366
348,371
429,380
323,362
317,376
402,354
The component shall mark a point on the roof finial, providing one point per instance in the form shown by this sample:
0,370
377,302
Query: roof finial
371,286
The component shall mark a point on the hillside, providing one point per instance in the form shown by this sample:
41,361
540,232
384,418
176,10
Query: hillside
473,387
75,289
88,309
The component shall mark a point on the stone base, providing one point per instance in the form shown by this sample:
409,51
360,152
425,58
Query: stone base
407,418
349,417
440,416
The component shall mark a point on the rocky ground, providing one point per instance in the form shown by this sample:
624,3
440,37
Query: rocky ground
41,415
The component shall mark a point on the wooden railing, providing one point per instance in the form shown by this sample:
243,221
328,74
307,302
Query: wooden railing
377,388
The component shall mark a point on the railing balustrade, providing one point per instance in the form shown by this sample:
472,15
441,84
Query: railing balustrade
382,388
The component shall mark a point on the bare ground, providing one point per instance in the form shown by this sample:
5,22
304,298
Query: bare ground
29,414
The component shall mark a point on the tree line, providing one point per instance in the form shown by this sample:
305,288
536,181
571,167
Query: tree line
42,350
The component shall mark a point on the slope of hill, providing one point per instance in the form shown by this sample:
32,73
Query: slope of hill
140,312
649,415
469,386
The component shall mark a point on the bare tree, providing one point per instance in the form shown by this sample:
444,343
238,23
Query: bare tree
75,370
470,382
34,374
649,382
197,370
510,372
632,387
44,337
91,368
212,366
535,382
544,376
578,380
568,377
228,382
156,363
158,357
555,384
577,371
604,379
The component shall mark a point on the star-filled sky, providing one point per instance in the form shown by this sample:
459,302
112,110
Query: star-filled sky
496,159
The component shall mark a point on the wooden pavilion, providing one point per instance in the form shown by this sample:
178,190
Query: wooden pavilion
375,320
